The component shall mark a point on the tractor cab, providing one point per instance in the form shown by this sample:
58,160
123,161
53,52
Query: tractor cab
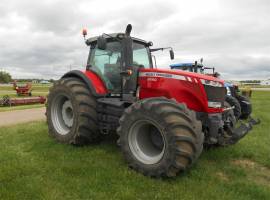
196,68
117,59
191,67
107,58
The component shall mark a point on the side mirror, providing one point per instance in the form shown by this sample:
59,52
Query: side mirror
171,54
101,43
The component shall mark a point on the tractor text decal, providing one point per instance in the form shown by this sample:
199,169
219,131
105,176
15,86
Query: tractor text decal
162,75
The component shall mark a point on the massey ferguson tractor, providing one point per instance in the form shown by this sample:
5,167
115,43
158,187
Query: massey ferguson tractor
163,117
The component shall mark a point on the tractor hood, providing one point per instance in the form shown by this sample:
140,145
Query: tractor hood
200,92
182,74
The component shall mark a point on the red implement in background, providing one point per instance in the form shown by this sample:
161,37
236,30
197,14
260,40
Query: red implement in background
7,101
23,90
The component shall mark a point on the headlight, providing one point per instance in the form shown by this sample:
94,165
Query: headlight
211,83
213,104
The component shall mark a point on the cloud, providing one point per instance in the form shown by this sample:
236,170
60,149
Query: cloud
42,38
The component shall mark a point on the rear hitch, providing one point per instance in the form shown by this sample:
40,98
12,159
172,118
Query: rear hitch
243,130
254,121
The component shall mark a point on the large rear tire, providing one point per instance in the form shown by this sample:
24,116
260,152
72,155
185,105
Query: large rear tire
71,112
160,137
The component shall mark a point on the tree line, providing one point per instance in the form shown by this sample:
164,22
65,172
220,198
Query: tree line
5,77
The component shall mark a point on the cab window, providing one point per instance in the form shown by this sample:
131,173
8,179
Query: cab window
106,63
140,55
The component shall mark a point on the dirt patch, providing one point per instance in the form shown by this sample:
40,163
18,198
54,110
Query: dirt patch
222,176
255,171
245,163
21,116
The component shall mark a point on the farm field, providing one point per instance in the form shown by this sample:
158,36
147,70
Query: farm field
38,90
34,166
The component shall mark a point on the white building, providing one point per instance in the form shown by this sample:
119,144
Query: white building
44,82
265,82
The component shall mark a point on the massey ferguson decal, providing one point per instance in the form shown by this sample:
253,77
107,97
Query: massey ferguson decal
162,75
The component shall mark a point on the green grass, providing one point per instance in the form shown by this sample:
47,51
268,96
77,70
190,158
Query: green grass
255,86
37,87
34,166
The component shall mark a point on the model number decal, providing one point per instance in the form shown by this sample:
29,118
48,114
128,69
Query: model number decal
151,79
162,75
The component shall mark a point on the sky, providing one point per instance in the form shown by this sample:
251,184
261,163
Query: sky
42,39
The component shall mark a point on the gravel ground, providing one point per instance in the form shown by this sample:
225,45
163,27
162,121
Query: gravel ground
21,116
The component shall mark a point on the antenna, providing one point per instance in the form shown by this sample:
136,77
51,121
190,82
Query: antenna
201,60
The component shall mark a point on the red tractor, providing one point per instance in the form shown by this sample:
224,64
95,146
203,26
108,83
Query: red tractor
163,117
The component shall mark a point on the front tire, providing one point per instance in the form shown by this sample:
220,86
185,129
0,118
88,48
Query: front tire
245,106
226,139
234,102
160,137
71,112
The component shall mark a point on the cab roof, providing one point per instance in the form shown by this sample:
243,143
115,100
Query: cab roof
91,40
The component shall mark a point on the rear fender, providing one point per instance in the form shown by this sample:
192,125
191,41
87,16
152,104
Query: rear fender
91,79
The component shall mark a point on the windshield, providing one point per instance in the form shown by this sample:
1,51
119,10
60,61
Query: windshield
107,63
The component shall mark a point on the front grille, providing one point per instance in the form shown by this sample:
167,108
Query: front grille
216,94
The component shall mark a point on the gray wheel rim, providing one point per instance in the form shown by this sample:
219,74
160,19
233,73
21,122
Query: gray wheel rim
62,114
141,140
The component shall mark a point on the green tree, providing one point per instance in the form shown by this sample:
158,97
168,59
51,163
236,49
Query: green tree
5,77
